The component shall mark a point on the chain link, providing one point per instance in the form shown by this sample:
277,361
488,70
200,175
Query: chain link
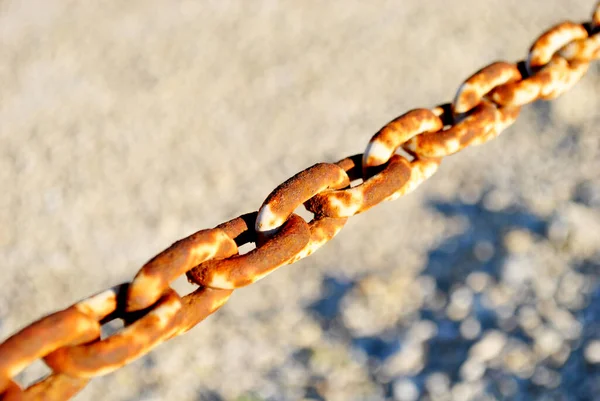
486,104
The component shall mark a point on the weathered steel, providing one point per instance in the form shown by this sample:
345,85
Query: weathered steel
485,104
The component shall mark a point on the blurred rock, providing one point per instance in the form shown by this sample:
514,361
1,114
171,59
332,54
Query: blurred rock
588,193
490,346
592,352
405,390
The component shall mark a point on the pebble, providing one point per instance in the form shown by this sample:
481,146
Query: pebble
478,281
470,328
437,383
529,318
483,250
518,241
546,377
520,360
489,346
410,360
547,341
497,200
422,330
588,193
592,352
472,370
405,390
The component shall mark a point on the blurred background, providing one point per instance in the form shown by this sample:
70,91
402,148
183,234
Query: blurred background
125,126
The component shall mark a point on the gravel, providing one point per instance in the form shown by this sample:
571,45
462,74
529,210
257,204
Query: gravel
128,125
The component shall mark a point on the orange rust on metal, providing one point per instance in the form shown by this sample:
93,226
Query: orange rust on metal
57,386
102,357
551,41
198,305
449,141
582,49
576,70
322,230
481,83
444,112
154,277
552,80
325,228
505,117
69,340
64,328
352,165
284,199
11,390
395,133
241,229
241,270
420,170
348,202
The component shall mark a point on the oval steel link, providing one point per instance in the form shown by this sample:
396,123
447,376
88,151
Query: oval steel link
582,49
551,81
284,199
71,326
241,270
348,202
154,277
420,170
449,141
198,305
104,356
384,143
322,230
478,85
505,117
543,49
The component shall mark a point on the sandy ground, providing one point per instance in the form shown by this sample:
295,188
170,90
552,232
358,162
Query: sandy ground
127,125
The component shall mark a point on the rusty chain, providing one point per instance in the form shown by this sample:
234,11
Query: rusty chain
485,104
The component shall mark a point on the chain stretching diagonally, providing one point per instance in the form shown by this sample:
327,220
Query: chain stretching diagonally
485,104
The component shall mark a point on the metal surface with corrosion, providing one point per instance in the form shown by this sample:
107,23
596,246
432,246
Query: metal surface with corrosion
488,102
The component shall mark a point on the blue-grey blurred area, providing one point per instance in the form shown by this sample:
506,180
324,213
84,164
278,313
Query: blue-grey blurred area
126,125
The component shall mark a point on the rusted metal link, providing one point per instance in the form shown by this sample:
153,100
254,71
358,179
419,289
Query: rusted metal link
551,81
71,326
478,85
322,230
197,306
449,141
284,199
556,61
348,202
488,102
505,117
55,387
582,49
104,356
154,277
395,133
544,48
241,270
420,170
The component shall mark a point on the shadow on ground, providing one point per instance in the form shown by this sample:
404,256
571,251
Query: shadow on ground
523,363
